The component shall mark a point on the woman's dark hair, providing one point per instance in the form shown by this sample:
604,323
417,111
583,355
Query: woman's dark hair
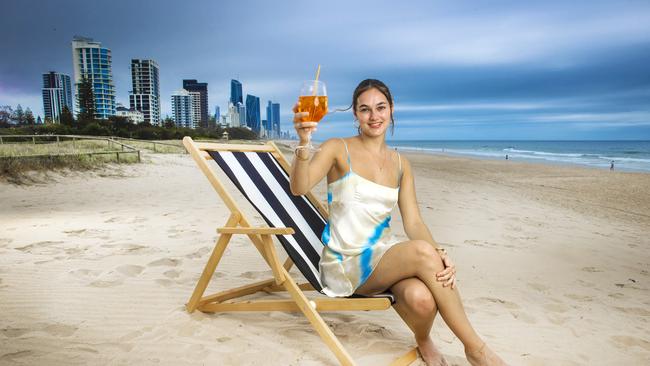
368,84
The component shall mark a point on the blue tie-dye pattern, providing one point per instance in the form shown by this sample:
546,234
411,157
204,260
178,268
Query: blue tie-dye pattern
329,197
366,255
325,238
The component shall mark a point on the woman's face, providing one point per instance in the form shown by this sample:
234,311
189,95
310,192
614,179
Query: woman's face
373,112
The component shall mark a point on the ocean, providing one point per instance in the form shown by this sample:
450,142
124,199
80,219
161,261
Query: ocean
626,155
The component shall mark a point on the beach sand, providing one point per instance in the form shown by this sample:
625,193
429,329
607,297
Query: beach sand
95,268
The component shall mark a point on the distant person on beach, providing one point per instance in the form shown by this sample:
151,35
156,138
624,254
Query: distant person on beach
611,166
366,180
506,156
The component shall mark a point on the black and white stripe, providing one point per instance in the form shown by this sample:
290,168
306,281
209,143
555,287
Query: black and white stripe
265,184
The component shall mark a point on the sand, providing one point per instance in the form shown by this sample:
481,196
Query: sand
95,268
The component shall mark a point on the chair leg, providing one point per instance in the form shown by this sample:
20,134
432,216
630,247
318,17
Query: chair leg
317,322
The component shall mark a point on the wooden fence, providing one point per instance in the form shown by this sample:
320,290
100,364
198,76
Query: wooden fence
57,139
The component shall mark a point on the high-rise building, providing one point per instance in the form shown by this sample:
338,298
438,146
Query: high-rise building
273,119
236,95
196,108
276,119
217,114
57,93
93,61
182,111
253,117
201,88
145,96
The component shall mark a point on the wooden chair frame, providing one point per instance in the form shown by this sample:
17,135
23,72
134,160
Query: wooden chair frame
261,237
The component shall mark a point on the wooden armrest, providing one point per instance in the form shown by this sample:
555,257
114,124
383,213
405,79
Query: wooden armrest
256,230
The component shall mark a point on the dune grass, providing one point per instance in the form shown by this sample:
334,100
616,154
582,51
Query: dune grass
18,160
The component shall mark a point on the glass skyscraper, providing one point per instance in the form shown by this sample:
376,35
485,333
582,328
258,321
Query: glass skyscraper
236,95
253,118
145,96
93,61
273,119
57,93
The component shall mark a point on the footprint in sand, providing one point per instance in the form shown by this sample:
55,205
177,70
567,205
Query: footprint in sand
538,287
633,311
168,262
10,332
580,298
104,284
85,273
164,282
60,330
14,355
625,342
199,253
255,274
42,248
525,317
130,270
556,308
591,269
4,242
172,274
507,304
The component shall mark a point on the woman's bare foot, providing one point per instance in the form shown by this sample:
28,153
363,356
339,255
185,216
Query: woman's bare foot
430,353
483,356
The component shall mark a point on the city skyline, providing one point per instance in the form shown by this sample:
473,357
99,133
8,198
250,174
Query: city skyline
509,70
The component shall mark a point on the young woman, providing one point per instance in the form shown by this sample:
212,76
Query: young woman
366,180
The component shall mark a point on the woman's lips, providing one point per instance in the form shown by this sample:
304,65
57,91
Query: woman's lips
374,125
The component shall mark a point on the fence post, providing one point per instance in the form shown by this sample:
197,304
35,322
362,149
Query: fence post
1,142
57,140
74,142
34,140
118,156
154,147
138,156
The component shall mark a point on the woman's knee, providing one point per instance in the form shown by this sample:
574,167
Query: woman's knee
420,300
427,256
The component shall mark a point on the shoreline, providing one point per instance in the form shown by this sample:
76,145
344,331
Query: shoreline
592,159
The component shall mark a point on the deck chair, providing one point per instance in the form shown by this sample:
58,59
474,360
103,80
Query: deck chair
260,173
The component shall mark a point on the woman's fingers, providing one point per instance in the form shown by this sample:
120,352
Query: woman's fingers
298,116
450,281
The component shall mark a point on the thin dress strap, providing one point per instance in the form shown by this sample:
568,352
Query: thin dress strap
399,178
348,153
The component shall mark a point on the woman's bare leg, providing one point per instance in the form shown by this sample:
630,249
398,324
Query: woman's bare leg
417,258
416,306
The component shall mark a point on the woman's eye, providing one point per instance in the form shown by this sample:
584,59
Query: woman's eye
381,108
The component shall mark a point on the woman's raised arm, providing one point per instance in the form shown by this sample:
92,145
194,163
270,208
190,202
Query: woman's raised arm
306,172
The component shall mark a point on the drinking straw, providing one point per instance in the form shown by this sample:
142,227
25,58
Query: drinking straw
316,80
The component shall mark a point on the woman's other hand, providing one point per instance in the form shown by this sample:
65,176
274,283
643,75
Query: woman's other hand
448,275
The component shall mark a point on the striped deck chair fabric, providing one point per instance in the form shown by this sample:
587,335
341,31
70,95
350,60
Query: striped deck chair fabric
265,184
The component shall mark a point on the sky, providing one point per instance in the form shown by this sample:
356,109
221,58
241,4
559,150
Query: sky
513,70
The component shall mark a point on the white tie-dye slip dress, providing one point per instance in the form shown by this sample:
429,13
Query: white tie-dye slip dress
357,233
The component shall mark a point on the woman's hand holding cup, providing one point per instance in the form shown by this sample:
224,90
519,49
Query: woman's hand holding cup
303,129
